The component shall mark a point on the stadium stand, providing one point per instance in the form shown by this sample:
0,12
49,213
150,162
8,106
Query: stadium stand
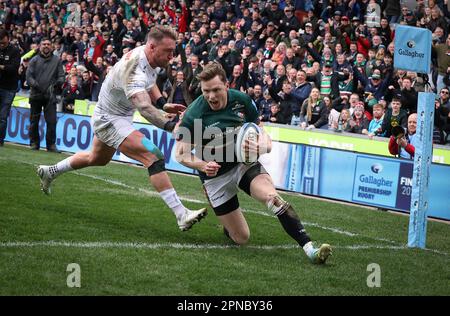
340,49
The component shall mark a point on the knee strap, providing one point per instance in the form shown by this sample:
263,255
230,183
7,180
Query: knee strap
157,167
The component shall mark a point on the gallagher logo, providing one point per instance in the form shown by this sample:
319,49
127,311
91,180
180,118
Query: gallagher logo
376,168
409,51
411,44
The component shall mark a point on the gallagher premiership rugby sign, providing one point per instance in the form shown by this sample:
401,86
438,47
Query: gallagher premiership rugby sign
412,49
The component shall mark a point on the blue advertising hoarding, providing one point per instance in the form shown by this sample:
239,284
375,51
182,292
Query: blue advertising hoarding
412,48
375,182
74,133
364,179
330,173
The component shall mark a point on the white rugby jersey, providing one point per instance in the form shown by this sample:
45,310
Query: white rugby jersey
132,74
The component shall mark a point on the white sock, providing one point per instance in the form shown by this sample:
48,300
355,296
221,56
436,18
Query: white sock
173,202
60,167
308,248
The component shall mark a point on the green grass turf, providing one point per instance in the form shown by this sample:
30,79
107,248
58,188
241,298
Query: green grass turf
84,207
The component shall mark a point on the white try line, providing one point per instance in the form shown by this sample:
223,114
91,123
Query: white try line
150,246
261,213
187,199
143,245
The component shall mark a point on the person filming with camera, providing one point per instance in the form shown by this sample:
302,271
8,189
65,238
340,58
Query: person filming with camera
402,143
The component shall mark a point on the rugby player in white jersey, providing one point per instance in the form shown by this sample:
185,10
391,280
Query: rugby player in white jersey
130,86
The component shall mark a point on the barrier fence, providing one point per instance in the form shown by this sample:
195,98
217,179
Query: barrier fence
326,172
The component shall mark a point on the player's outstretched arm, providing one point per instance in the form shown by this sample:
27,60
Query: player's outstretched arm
161,103
143,104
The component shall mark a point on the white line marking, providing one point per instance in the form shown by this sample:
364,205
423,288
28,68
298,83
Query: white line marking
183,198
143,245
156,194
118,183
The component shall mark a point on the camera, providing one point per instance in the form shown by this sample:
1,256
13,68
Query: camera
398,131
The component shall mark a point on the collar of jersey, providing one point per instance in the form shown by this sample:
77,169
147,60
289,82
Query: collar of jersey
145,62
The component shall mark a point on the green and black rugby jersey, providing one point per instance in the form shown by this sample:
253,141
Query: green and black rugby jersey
216,130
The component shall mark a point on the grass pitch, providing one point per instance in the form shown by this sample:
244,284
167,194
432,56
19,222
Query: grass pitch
126,241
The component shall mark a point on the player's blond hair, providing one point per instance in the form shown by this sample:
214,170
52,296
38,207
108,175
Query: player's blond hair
158,32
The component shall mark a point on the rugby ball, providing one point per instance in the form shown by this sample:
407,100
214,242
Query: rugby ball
248,131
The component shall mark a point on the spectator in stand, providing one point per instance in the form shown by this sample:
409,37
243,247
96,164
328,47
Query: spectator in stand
375,85
279,77
99,73
95,49
68,63
392,10
377,121
292,59
444,98
179,16
407,94
276,116
308,34
443,62
191,69
179,93
86,85
343,123
359,123
289,22
395,116
44,73
239,79
327,81
264,108
314,113
255,28
272,12
110,56
279,54
291,75
269,48
24,88
9,77
404,144
70,94
288,103
227,58
442,114
301,92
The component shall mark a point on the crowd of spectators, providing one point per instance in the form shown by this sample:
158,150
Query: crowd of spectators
311,63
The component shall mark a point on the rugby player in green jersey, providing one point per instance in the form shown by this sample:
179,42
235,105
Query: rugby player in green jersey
208,125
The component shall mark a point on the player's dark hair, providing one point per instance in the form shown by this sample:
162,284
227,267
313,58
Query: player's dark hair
212,70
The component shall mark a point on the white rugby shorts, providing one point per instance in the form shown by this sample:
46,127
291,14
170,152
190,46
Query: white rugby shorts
112,129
